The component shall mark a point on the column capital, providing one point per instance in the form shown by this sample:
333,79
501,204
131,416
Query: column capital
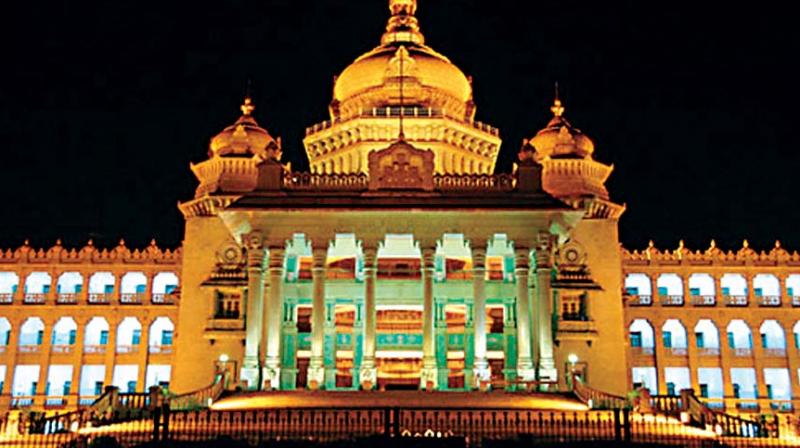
478,257
369,250
320,255
428,255
276,254
522,258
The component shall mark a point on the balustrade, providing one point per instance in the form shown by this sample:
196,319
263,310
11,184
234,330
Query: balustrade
127,349
67,298
640,300
132,299
94,349
742,352
28,348
775,352
735,300
160,349
34,298
708,351
61,349
6,298
671,300
796,301
769,301
100,298
704,300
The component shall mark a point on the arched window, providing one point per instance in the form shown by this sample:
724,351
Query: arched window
101,287
701,288
793,288
133,287
642,336
739,337
69,285
734,289
95,337
707,337
639,288
31,334
5,332
674,336
767,289
670,289
161,333
165,283
9,283
37,286
773,338
65,333
129,335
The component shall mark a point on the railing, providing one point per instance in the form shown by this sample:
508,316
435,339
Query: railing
6,298
667,404
132,298
164,299
671,300
796,301
60,348
676,351
127,349
742,352
408,112
769,301
200,398
708,351
483,182
28,348
775,352
100,298
160,349
335,182
735,300
99,349
704,300
640,300
22,401
67,298
34,298
596,399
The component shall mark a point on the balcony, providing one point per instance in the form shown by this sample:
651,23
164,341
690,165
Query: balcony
775,352
676,351
769,301
642,351
735,300
742,352
132,299
20,402
67,299
100,298
640,300
671,300
796,301
28,348
94,349
129,349
34,298
708,351
55,402
704,300
164,299
6,298
61,349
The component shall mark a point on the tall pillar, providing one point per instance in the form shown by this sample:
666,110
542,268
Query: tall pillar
525,370
143,356
272,318
316,370
368,375
544,269
429,375
253,315
481,370
289,346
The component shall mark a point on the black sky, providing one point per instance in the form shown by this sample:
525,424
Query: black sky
103,105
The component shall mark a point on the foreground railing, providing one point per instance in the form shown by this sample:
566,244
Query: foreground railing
596,399
201,398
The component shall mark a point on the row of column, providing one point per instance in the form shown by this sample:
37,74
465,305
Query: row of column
263,334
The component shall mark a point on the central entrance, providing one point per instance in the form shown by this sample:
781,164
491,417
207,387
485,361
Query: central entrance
399,371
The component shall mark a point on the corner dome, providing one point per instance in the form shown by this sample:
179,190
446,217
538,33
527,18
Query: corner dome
560,139
245,138
429,78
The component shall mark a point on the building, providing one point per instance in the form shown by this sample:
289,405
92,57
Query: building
401,260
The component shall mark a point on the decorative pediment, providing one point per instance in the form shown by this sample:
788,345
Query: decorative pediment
401,166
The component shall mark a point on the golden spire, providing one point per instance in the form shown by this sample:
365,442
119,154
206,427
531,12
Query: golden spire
248,107
403,25
557,109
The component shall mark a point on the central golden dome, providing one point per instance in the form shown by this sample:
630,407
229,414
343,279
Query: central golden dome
428,78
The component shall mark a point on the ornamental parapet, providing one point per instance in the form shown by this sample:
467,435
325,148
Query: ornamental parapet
652,256
90,254
360,182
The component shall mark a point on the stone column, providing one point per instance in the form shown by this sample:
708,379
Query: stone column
111,350
368,375
481,370
429,374
273,318
253,314
76,353
525,370
544,269
316,370
726,362
143,356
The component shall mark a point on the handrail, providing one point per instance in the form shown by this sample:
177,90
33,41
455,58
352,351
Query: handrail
596,399
201,398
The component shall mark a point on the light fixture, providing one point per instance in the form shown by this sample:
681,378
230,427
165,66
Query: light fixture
223,358
572,358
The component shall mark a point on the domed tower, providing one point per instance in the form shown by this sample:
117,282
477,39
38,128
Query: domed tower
402,83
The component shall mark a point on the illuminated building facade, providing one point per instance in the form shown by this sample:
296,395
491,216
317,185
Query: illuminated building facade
401,260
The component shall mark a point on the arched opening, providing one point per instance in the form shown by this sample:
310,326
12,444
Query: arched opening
161,333
642,336
734,289
9,283
96,334
133,287
673,335
69,285
164,284
37,286
129,335
101,287
773,339
796,332
707,337
65,332
793,288
767,290
670,289
740,339
5,333
639,288
701,288
31,334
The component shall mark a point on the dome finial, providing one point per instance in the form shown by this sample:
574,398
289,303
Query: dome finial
248,107
557,109
403,7
403,25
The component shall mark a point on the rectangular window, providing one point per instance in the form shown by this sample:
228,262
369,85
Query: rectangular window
704,390
103,337
632,290
731,340
667,339
663,291
72,336
108,289
694,291
636,339
701,343
137,337
166,337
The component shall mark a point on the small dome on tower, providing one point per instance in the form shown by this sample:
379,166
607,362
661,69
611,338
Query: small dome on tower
559,139
245,138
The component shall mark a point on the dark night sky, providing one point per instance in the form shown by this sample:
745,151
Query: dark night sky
103,105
